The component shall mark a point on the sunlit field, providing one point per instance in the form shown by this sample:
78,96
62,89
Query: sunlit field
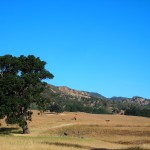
87,132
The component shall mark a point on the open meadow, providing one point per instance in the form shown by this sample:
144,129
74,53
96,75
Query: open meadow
88,132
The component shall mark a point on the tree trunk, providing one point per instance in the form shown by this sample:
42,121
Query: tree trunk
26,129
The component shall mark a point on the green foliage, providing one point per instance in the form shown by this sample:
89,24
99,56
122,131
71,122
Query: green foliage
21,82
43,103
101,110
56,108
138,111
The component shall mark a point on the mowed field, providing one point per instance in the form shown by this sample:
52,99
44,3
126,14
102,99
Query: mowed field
87,132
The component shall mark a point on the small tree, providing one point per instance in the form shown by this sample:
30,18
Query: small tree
21,82
43,104
56,108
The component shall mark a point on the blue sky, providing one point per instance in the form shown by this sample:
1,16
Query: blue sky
92,45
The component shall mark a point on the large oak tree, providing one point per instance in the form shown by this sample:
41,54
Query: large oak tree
21,82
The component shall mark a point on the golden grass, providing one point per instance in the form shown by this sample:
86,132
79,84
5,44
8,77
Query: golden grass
88,132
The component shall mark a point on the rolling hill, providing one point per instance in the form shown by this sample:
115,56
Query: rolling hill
75,100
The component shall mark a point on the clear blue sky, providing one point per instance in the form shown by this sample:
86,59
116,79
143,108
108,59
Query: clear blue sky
93,45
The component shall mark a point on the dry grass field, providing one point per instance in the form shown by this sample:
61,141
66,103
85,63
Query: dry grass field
87,132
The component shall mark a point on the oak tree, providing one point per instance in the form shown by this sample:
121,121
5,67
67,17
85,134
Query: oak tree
21,82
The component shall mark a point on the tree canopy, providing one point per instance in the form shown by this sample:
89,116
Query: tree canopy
21,82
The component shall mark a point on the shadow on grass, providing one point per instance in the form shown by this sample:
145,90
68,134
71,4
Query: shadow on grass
8,131
73,145
131,148
88,147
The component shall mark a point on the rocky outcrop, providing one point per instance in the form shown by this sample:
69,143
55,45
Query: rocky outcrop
140,100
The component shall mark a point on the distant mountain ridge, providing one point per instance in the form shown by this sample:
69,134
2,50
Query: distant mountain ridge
135,99
88,95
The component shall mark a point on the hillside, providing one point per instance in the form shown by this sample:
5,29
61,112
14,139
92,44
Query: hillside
74,100
135,99
72,92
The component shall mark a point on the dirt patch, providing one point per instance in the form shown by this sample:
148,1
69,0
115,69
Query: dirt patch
62,125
